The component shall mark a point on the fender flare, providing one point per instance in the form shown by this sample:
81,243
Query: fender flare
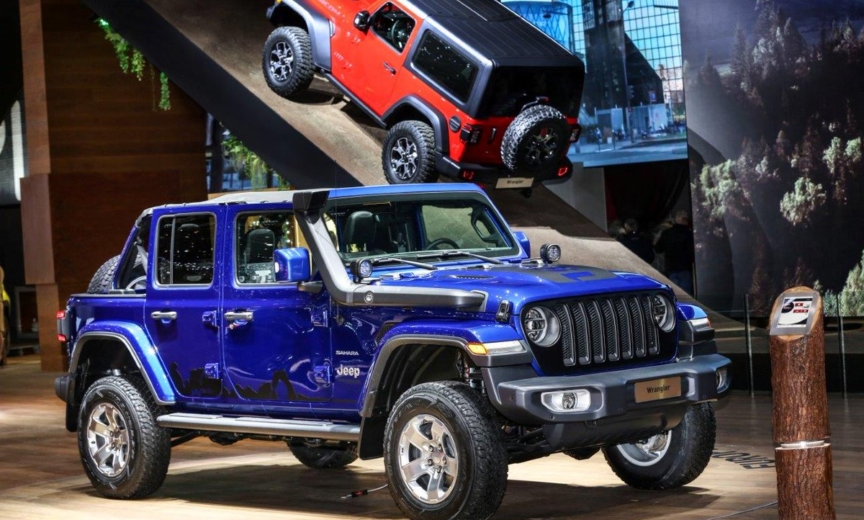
318,25
143,352
436,120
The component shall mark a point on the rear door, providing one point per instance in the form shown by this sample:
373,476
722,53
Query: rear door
276,339
182,300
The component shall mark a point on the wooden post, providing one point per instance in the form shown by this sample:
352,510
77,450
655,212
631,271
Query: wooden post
801,431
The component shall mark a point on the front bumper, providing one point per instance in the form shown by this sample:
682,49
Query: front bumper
497,176
614,414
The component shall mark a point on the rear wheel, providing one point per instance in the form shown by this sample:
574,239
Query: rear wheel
324,456
670,459
535,141
287,61
124,452
408,155
443,454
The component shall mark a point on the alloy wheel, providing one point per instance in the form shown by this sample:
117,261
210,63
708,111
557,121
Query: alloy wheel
428,460
281,61
403,158
108,439
647,452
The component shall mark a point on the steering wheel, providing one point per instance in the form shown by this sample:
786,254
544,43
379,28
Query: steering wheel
443,240
400,31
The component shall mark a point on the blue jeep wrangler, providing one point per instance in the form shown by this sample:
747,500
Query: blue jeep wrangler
407,322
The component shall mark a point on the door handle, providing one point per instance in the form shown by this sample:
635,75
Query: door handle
391,69
239,316
164,315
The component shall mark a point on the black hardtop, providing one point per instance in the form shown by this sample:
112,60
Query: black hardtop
495,32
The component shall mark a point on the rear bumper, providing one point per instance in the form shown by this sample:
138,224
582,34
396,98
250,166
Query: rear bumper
497,176
613,415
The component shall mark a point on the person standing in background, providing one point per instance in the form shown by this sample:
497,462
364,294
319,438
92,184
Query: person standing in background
676,244
635,242
4,323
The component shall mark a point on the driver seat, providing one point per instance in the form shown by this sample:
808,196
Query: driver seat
360,230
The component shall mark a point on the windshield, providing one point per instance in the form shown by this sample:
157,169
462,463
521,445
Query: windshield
410,228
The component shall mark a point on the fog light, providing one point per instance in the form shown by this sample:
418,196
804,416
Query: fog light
567,401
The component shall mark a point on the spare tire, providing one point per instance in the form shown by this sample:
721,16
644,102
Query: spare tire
535,141
103,280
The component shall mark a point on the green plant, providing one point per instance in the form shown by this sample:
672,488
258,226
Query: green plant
245,160
133,62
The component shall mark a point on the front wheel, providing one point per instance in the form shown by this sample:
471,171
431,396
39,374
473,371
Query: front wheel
408,154
670,459
287,61
124,452
443,455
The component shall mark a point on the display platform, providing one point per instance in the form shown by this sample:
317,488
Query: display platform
41,475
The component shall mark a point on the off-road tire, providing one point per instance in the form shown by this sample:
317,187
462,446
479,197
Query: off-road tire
408,154
148,445
473,443
301,70
535,141
689,451
324,457
103,280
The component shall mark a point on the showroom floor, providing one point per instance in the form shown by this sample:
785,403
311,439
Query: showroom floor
41,476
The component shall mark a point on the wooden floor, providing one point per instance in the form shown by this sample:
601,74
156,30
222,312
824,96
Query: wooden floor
41,476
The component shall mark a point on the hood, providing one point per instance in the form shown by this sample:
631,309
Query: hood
520,284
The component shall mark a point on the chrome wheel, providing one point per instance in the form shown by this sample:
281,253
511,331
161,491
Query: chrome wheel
281,61
647,452
428,461
403,158
542,147
108,439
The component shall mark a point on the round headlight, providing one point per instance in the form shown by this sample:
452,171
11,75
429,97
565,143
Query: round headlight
541,326
664,315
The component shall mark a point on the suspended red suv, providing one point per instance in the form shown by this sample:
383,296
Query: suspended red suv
466,88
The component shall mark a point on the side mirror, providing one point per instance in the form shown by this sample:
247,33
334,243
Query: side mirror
291,264
361,20
524,242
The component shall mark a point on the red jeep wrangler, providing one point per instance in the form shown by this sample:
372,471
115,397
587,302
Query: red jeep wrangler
466,88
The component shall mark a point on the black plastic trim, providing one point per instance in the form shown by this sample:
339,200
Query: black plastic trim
317,24
377,371
436,119
612,392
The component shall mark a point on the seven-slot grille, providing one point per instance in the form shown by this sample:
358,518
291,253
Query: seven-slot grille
604,330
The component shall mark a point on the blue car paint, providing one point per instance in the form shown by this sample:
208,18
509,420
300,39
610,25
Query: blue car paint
326,351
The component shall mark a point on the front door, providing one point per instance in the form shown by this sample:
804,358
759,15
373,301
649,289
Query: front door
276,339
372,60
182,299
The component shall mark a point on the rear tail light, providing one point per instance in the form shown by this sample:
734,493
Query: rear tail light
468,175
62,327
471,134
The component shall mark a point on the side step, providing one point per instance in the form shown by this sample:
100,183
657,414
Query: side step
261,426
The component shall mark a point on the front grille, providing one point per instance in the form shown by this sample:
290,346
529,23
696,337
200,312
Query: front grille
607,330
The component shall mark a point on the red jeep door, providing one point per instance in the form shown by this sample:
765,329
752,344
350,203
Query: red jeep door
371,61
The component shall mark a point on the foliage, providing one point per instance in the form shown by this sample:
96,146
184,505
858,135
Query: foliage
851,297
133,62
799,205
245,160
795,107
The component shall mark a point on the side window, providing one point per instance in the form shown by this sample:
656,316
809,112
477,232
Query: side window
256,236
393,25
185,250
445,66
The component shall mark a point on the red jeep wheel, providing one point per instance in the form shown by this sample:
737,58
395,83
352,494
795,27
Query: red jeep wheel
408,155
287,61
535,141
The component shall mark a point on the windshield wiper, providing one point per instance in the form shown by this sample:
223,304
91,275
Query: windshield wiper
397,260
455,252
